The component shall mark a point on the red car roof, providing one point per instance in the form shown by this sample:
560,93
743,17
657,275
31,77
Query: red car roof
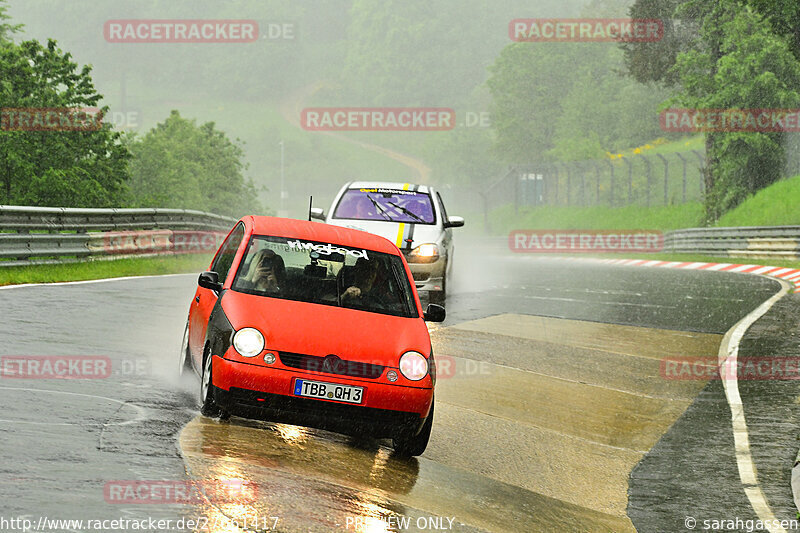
319,231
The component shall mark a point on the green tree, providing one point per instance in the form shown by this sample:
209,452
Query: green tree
603,111
527,85
36,76
568,101
409,53
653,61
250,70
682,19
66,187
784,16
742,64
6,29
182,165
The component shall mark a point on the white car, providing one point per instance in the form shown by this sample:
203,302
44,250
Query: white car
412,216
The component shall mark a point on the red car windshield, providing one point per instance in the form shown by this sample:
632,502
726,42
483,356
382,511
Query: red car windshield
392,205
324,273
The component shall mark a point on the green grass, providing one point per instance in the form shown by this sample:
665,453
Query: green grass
104,269
776,205
503,220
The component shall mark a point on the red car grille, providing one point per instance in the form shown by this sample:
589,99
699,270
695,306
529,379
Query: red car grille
331,364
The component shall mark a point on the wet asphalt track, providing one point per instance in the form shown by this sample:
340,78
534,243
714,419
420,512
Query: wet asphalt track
555,398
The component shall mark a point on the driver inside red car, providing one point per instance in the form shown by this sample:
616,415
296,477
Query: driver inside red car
369,284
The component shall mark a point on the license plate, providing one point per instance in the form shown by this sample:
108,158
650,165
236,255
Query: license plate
328,391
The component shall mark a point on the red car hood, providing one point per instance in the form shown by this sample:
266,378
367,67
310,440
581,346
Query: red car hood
316,329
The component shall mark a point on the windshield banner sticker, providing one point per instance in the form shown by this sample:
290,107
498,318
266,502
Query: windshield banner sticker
325,249
390,191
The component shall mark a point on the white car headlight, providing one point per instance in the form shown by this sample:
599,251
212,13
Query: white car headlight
413,366
424,253
249,342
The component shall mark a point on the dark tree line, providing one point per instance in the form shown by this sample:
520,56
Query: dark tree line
727,54
177,164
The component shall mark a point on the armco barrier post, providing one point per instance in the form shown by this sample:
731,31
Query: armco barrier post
596,182
666,177
702,165
630,179
555,183
569,184
648,170
683,160
583,183
611,186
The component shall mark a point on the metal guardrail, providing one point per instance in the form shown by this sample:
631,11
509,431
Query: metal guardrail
757,242
23,218
36,235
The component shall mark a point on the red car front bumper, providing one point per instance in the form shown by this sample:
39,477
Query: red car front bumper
266,392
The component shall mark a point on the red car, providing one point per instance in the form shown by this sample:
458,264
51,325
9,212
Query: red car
316,325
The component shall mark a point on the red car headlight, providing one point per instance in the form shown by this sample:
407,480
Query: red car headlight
413,366
249,342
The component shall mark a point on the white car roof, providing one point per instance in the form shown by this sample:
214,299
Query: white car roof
388,185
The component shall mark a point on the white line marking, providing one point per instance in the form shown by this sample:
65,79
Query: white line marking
141,412
82,282
729,350
763,270
556,299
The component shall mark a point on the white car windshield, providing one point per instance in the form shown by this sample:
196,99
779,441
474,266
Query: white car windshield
392,205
